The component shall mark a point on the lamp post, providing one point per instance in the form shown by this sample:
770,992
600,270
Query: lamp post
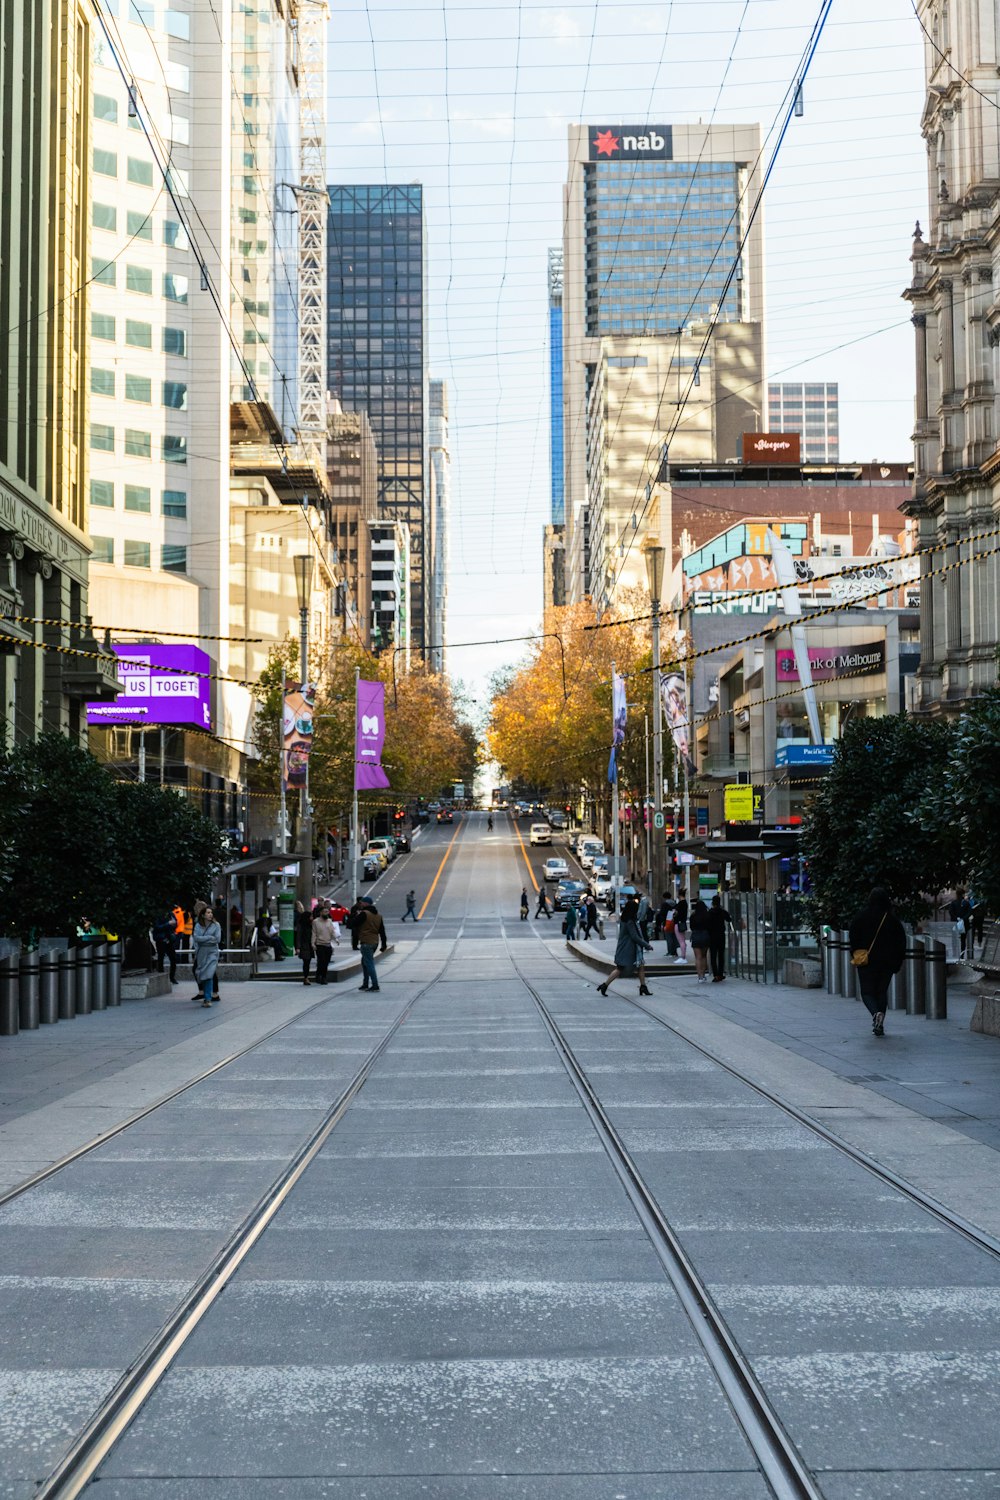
303,588
655,556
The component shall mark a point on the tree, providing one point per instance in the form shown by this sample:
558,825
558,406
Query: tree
966,804
171,852
867,824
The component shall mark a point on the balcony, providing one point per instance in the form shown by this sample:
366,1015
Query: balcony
728,764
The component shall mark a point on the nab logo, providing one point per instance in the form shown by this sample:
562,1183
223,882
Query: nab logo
630,141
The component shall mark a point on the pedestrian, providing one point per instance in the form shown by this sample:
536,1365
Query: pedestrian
489,823
668,907
543,904
977,927
324,936
878,947
411,906
200,907
569,923
268,936
718,920
960,912
644,916
700,939
370,933
629,949
525,904
206,940
303,940
680,930
166,949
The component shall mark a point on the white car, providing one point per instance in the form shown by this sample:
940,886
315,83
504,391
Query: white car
587,850
603,885
540,833
556,869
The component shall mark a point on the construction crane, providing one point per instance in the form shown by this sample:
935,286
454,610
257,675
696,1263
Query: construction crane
313,202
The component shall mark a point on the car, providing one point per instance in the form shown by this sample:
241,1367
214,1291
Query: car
386,842
603,886
600,864
375,850
568,893
433,807
540,833
556,869
556,819
444,815
371,869
586,851
402,842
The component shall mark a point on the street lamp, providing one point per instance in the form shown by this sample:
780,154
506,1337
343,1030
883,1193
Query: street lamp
655,556
303,587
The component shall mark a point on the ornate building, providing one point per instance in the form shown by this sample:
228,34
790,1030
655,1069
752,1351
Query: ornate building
956,317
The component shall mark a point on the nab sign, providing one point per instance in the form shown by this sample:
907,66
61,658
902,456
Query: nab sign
631,142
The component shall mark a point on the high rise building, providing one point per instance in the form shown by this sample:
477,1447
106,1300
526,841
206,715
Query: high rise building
557,514
391,554
352,466
956,319
812,409
44,549
376,321
662,326
439,517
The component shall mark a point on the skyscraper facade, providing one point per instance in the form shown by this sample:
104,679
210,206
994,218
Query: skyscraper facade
662,326
376,334
558,506
812,409
439,515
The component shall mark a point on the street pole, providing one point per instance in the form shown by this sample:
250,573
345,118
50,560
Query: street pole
354,806
142,755
655,556
283,830
615,838
304,883
649,821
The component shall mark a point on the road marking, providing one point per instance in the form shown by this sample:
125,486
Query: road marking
440,867
527,861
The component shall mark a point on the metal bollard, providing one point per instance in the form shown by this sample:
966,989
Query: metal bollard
99,993
833,962
115,973
84,981
48,987
936,979
829,965
897,990
27,1000
914,969
67,985
848,981
9,986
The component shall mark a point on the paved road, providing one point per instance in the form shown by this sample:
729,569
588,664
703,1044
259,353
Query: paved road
458,1299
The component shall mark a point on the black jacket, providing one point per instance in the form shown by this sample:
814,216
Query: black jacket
718,920
886,951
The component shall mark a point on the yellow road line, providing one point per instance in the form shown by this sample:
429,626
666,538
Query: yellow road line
527,861
440,867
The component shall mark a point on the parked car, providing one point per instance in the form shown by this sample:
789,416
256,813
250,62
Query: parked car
568,893
556,868
375,850
371,868
540,833
386,842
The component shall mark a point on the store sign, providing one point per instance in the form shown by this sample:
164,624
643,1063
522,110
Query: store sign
804,755
631,142
772,448
161,685
833,661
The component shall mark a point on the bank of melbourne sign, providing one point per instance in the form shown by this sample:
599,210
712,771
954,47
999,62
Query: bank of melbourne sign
161,685
631,142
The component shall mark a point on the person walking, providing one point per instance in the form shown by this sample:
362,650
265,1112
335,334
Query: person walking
166,949
303,940
700,939
680,930
489,823
200,907
324,936
525,904
569,922
718,920
206,940
411,906
370,934
960,912
543,904
878,947
629,949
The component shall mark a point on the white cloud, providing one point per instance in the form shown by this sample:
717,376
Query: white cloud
497,124
561,25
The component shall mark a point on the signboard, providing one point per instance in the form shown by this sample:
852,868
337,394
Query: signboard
161,685
738,804
684,857
458,794
631,142
804,755
701,821
658,820
833,661
297,730
772,448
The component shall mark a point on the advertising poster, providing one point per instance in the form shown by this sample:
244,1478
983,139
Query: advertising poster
369,737
297,733
619,715
161,685
673,691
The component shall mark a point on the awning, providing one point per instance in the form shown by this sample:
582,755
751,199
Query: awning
264,864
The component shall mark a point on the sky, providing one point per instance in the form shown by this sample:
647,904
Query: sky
471,98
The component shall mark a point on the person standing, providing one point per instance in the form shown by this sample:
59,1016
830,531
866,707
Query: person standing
303,940
411,906
569,923
718,920
200,907
629,949
700,939
206,940
370,933
644,915
543,904
960,912
166,948
525,904
879,935
680,930
324,935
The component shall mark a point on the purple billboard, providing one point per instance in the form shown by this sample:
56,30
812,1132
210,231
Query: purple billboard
160,685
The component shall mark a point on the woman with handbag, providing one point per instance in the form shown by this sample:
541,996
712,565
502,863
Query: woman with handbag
630,949
878,947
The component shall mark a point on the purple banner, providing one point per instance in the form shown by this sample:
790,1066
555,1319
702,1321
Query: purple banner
160,685
370,737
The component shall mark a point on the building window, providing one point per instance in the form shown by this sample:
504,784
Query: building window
175,395
138,444
105,108
103,216
105,162
175,450
140,171
104,549
139,335
175,341
137,498
102,493
174,558
102,437
140,225
173,234
136,554
177,24
102,382
178,77
175,288
139,279
102,326
175,504
138,388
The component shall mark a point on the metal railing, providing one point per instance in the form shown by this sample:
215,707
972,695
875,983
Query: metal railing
766,930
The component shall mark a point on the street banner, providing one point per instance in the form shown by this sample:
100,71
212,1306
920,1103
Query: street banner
619,714
674,696
369,736
297,733
160,685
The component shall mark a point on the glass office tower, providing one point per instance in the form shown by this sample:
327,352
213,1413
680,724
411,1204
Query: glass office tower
558,514
377,359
